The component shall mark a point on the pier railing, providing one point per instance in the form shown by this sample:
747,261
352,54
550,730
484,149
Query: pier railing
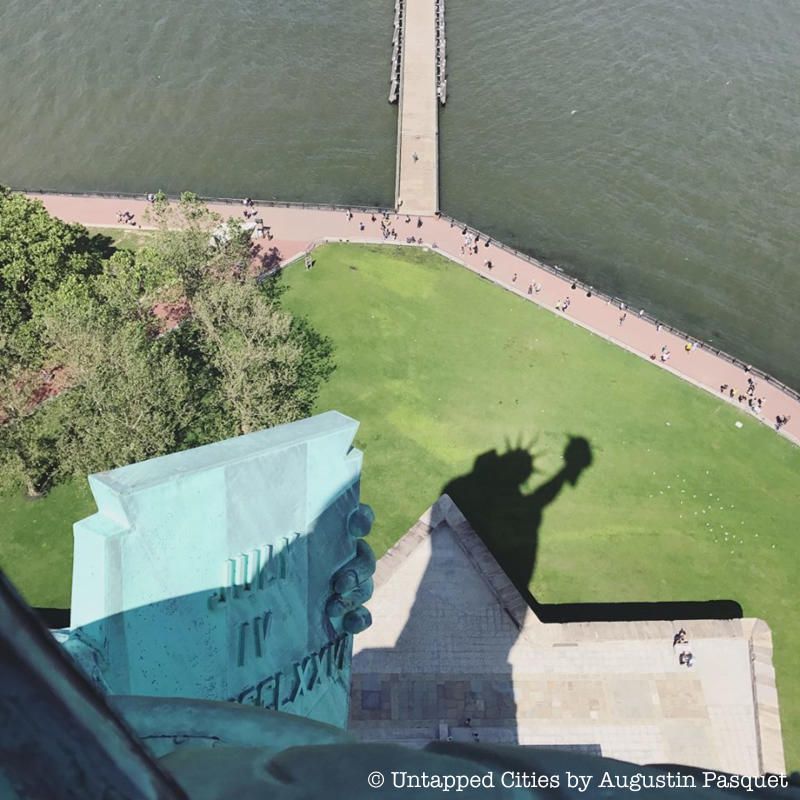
377,209
397,51
551,268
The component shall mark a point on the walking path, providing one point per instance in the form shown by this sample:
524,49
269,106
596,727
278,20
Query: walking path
297,230
417,183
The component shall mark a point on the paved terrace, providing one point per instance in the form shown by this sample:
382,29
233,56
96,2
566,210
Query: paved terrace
455,652
297,230
417,181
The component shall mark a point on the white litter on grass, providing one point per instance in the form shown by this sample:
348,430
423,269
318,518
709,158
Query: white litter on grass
668,423
738,424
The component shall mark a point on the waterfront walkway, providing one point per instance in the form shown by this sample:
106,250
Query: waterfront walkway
297,230
417,180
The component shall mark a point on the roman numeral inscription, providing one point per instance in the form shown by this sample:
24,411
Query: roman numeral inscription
316,669
254,571
252,637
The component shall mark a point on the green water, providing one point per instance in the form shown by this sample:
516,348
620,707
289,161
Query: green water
673,184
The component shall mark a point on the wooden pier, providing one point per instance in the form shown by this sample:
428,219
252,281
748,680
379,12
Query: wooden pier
421,84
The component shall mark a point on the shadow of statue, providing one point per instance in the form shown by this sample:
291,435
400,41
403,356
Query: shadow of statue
491,497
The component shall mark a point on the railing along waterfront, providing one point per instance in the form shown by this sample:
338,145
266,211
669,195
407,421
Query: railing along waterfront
377,209
536,262
624,304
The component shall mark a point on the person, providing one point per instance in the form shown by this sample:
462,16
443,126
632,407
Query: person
408,219
361,226
151,198
622,318
732,393
514,279
415,157
537,287
723,388
530,289
349,215
679,637
419,222
487,264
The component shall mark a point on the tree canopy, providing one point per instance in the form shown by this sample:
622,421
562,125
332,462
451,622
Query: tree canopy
133,387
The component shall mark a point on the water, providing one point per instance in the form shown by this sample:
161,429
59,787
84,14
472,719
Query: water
674,183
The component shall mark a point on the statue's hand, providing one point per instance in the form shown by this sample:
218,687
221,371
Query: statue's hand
578,457
352,583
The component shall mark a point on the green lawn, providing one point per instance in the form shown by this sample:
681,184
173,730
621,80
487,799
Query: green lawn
123,238
36,541
440,367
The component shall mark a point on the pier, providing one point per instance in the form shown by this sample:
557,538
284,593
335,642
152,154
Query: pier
420,62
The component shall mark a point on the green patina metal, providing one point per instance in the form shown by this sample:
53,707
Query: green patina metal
233,571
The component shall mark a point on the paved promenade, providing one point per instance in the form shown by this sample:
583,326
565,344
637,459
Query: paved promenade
418,122
456,652
296,230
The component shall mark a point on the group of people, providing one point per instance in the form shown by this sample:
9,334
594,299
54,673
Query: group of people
126,218
249,212
754,403
563,305
685,658
780,421
471,244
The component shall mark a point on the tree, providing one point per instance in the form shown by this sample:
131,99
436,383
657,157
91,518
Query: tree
238,363
37,253
270,365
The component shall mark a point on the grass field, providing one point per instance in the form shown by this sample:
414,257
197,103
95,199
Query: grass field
123,238
678,504
440,367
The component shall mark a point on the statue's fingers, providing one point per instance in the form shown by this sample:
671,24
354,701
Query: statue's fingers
356,621
360,520
355,571
341,604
